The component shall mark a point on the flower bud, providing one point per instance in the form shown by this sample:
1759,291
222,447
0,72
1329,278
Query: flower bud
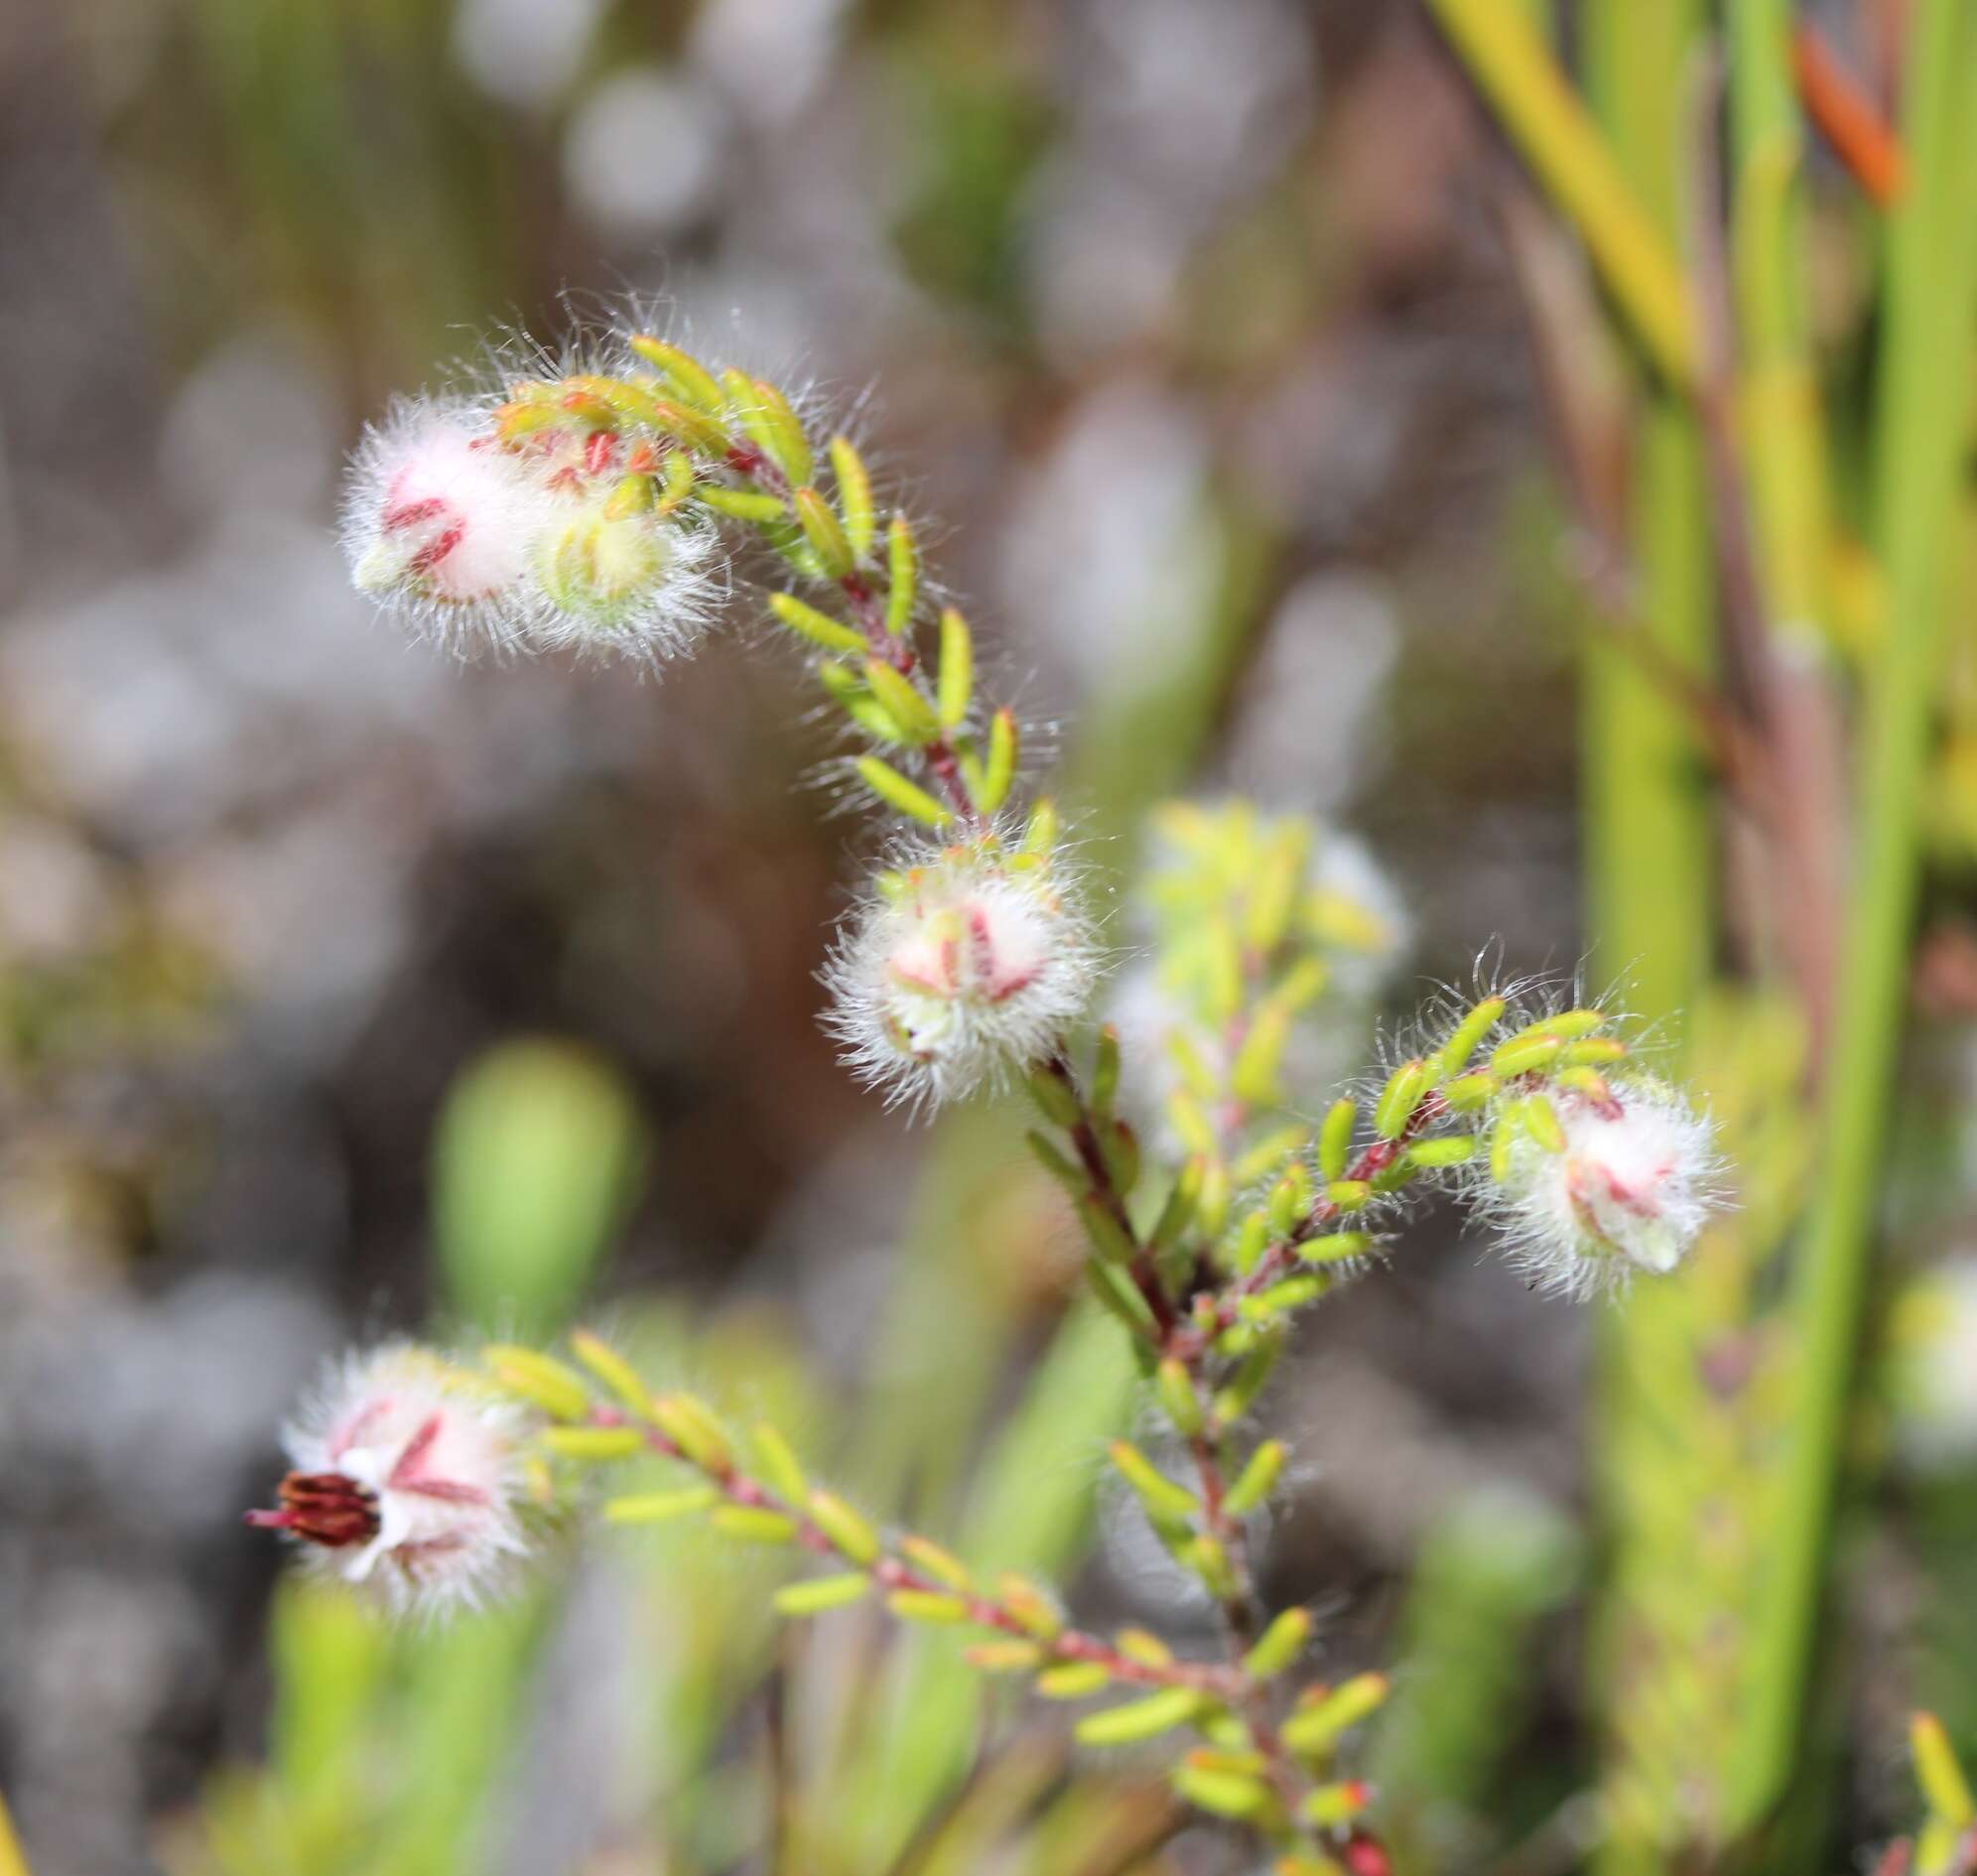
609,573
439,519
407,1482
964,973
1622,1183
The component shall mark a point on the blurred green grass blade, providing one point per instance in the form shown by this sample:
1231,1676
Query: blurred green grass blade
1492,1565
332,1659
1921,429
534,1168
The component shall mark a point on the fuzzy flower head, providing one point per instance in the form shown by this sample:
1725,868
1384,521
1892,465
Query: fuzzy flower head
964,970
480,530
1596,1186
408,1482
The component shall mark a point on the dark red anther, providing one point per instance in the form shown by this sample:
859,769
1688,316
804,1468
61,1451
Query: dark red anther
325,1508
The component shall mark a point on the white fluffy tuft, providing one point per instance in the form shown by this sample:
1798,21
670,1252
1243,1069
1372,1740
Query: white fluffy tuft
964,973
487,545
443,1462
1631,1189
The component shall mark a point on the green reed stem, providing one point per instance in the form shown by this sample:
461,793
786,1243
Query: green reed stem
1921,424
1503,45
1648,844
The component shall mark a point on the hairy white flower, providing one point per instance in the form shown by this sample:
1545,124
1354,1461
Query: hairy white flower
440,519
966,968
551,540
1628,1186
408,1482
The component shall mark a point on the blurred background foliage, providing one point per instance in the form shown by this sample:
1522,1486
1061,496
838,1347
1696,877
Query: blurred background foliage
1286,445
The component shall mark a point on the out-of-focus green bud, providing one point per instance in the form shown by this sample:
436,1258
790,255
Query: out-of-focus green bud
694,1430
849,693
1334,1140
1290,1199
1336,1247
1164,1500
691,379
1212,1207
1944,1789
943,1565
1468,1034
676,481
1067,1175
1349,1195
899,794
819,628
821,1593
753,1525
902,700
825,533
1143,1719
957,673
1176,1389
1120,1295
1205,1556
847,1530
1253,1235
1073,1681
1465,1092
651,1507
536,1378
1398,1099
1003,1657
1258,1478
611,1368
1178,1212
743,504
1105,1070
1322,1717
594,1442
780,1467
1054,1098
765,414
998,772
1239,1394
1231,1795
1525,1055
1118,1145
1029,1605
1279,1645
854,495
1541,1123
1109,1237
1449,1150
927,1605
1254,1074
1040,837
1331,1806
1140,1646
1565,1025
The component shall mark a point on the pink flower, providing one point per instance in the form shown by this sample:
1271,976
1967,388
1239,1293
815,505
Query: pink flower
407,1483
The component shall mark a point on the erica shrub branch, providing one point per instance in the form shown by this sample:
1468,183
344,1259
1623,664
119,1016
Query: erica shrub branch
602,508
